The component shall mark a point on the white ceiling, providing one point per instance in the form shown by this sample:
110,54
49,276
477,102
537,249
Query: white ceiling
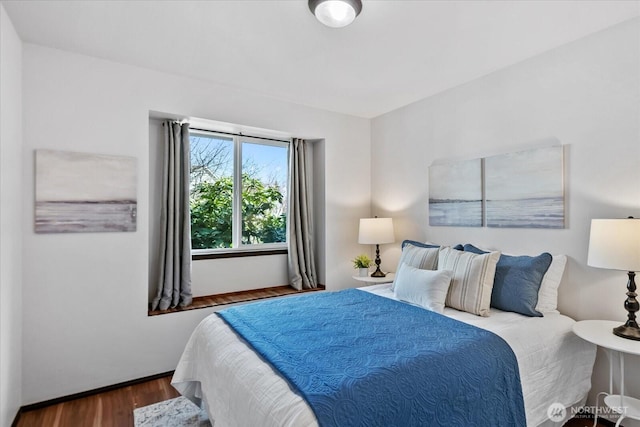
395,53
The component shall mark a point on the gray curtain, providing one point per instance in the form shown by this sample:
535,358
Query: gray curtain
174,285
302,261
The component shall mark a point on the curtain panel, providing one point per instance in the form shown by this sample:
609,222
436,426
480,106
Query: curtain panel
302,260
174,285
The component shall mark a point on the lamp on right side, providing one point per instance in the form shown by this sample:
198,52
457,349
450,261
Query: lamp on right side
615,244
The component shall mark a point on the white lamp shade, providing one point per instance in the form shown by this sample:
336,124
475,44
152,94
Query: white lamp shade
615,244
376,231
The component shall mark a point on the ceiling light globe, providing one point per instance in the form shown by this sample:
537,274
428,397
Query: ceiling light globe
335,13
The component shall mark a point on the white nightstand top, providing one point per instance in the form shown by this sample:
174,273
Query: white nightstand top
626,405
368,279
600,332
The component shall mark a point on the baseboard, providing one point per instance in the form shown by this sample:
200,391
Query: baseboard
17,418
63,399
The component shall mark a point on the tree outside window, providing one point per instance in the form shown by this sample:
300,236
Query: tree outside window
259,213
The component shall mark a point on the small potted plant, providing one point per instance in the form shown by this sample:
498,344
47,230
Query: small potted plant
362,263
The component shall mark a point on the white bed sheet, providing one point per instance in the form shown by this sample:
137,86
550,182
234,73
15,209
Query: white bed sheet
239,389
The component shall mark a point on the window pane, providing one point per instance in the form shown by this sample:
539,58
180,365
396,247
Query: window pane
211,191
264,193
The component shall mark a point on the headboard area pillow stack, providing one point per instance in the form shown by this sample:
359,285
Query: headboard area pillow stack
547,294
472,281
479,279
417,281
425,288
517,281
418,255
470,277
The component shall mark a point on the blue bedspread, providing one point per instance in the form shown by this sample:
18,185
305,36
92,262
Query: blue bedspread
364,360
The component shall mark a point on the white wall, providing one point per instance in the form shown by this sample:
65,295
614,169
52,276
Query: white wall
586,95
10,218
86,323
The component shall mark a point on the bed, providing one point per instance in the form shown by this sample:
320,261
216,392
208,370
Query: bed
225,375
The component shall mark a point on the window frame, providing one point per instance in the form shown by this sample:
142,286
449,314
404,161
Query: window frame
236,216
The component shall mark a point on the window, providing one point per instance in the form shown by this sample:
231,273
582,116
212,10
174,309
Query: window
223,217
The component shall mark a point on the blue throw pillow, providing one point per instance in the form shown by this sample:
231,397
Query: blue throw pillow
517,281
458,247
418,244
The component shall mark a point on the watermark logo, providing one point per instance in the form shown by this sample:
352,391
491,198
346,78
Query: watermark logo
556,412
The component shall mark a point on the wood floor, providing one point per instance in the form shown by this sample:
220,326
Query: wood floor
109,409
115,408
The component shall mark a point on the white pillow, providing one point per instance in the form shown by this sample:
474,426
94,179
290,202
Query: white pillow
472,280
422,258
424,288
548,293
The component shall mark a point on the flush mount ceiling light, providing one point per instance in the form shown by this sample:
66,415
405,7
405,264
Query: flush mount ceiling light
335,13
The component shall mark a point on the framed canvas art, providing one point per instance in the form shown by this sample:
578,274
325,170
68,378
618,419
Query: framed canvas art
455,194
80,192
525,189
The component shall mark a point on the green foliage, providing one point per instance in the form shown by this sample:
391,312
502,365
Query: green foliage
362,261
211,213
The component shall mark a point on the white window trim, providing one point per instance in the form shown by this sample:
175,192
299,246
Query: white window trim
236,220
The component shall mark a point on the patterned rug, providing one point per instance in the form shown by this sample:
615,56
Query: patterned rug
178,412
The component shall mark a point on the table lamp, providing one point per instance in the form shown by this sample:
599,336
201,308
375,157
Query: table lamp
376,231
615,244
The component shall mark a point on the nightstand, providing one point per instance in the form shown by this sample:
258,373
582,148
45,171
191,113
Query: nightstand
376,280
600,332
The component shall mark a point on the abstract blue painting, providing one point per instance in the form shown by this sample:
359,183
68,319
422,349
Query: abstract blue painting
79,192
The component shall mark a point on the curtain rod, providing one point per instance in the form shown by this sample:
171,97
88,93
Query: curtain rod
239,134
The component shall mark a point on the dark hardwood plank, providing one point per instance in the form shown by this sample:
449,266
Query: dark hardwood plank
108,409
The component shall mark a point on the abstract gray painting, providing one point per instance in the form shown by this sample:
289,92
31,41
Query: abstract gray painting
79,192
525,189
455,193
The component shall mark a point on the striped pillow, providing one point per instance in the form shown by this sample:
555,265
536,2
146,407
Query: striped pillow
414,256
472,281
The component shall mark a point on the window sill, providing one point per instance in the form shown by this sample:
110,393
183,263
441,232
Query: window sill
238,254
236,297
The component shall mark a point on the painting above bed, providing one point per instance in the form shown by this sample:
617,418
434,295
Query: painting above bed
522,189
525,189
455,194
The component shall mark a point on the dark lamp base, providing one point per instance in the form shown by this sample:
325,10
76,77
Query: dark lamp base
378,273
630,329
629,332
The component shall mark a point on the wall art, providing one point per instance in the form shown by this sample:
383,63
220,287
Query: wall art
81,192
455,193
525,189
